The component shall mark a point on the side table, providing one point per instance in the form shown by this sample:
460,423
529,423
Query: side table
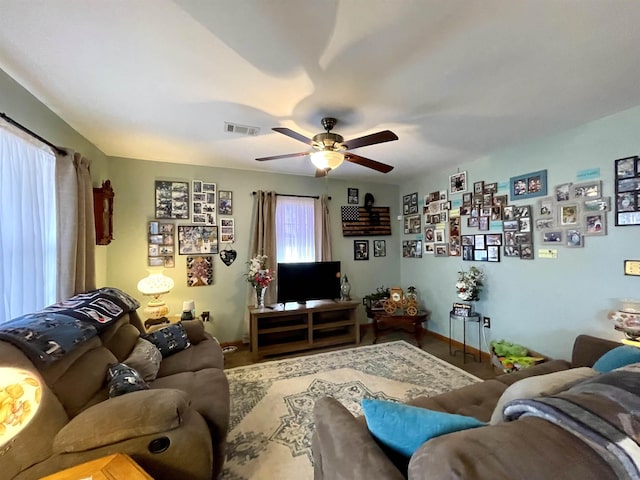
118,466
410,323
474,317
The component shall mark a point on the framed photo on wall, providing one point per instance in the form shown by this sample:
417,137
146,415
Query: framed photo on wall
352,196
379,248
172,199
529,185
627,199
225,206
194,239
361,249
458,182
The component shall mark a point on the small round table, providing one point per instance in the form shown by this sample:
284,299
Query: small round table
472,317
394,321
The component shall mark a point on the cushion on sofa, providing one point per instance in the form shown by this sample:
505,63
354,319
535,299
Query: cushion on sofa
616,358
539,386
404,428
122,418
124,379
169,340
145,358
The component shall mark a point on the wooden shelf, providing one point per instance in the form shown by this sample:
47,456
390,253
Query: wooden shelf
289,327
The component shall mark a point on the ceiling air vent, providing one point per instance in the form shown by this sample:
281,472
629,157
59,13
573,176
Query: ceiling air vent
241,129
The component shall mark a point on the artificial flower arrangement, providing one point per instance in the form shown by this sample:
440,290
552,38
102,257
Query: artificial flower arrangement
469,284
259,275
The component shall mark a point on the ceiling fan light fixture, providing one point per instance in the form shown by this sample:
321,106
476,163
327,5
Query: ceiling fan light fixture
327,159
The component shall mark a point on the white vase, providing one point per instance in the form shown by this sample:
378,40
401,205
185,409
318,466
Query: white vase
260,293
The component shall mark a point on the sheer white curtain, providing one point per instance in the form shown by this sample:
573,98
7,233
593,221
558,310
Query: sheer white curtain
295,236
27,224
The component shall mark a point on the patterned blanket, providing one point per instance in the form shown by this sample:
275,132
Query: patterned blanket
49,334
603,411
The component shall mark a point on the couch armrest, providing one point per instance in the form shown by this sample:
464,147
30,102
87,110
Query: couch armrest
195,330
128,416
587,350
343,448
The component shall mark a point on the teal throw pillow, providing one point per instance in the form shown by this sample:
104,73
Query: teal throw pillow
618,357
404,428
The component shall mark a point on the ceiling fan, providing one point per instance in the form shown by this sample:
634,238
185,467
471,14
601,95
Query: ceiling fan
331,149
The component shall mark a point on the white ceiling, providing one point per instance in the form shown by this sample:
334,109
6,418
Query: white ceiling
454,79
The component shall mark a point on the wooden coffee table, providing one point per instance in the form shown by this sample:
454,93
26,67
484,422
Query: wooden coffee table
383,321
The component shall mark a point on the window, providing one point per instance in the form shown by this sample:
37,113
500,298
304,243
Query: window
27,226
295,234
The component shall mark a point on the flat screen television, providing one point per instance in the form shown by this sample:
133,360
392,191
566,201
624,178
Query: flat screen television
299,282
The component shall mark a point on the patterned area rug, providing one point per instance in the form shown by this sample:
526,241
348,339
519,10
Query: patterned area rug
272,402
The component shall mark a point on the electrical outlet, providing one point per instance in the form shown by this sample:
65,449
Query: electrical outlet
487,322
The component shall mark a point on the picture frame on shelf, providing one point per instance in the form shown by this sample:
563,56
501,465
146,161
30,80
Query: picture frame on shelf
529,185
461,309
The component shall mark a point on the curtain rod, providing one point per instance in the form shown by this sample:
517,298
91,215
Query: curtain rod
33,134
296,196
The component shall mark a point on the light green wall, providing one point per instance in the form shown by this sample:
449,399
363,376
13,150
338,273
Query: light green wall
543,303
133,182
27,110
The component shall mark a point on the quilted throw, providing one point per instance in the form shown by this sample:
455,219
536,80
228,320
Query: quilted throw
52,332
603,411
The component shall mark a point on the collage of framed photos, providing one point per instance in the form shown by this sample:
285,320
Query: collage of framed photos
627,201
161,244
573,212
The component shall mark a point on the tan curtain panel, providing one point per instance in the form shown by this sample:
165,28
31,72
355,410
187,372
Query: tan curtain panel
76,230
263,240
322,229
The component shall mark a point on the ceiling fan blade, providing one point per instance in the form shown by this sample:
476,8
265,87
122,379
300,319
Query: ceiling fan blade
295,135
322,172
286,155
380,137
367,162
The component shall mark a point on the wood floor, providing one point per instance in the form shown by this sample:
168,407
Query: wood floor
432,344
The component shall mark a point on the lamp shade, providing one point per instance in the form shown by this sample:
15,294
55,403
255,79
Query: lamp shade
155,284
20,396
327,159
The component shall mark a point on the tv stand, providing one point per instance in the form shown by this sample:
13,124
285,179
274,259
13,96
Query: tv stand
297,327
